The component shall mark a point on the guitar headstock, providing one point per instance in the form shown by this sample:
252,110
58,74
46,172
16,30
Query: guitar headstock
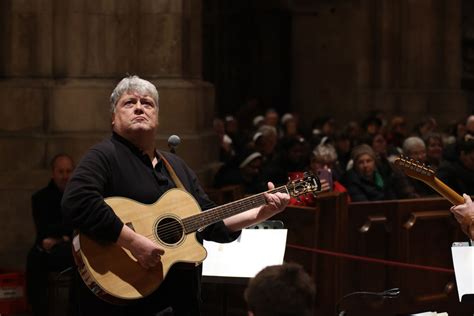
309,183
415,169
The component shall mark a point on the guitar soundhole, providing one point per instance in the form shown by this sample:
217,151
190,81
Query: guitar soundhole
169,231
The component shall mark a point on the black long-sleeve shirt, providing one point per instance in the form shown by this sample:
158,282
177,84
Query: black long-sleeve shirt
115,167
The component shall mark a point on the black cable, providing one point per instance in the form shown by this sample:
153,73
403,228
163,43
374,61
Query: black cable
391,293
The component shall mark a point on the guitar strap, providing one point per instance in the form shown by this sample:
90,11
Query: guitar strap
173,175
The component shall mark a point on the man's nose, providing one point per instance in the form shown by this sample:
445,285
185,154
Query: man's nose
138,106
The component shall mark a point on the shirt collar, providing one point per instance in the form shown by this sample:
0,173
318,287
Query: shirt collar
137,151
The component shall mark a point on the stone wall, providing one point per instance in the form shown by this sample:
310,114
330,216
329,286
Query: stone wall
401,57
59,61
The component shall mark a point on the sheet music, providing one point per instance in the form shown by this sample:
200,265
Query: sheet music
245,257
463,260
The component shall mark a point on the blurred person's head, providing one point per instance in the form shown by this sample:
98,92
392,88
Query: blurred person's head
414,147
398,125
250,165
434,148
231,125
218,125
372,125
281,290
342,143
466,152
266,139
379,144
324,156
271,117
290,124
62,167
364,160
426,126
470,124
295,149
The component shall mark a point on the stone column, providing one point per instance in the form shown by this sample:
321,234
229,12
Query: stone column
59,61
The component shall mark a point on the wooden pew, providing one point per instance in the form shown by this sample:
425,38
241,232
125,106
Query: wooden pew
418,231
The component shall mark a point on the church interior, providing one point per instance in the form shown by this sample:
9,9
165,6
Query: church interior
347,64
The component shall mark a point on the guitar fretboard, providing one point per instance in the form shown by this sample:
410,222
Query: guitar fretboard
211,216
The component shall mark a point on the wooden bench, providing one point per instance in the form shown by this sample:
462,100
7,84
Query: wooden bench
415,231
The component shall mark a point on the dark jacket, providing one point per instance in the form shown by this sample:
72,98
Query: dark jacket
362,189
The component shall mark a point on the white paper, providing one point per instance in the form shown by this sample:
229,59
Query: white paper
254,250
463,260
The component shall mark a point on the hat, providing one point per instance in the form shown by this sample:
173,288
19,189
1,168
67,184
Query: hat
248,157
361,150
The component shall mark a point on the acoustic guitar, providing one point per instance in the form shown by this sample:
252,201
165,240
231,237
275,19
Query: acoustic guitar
114,275
419,171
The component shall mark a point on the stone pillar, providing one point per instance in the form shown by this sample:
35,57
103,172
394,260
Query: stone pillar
59,61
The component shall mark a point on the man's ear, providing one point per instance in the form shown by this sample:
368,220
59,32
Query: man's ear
250,313
113,119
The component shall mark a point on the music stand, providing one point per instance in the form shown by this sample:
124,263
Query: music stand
463,261
245,257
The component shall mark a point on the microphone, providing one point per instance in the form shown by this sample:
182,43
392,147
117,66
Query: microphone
392,293
173,142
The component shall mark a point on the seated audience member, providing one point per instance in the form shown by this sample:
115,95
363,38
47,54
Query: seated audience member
459,175
458,131
272,118
281,290
426,126
414,148
364,182
226,148
323,164
244,170
398,132
400,184
289,126
343,145
434,150
372,125
265,141
258,121
52,249
322,128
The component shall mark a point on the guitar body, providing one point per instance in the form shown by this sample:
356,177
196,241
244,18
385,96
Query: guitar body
113,274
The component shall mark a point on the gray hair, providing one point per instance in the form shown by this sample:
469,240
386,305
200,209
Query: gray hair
325,152
133,84
268,130
411,142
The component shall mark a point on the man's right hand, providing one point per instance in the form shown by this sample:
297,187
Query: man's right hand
143,249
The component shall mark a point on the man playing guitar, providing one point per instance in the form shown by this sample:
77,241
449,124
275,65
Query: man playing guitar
128,165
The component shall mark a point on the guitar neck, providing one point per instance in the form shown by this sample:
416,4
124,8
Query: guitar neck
446,191
211,216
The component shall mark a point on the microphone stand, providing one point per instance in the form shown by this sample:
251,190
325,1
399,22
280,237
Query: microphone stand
392,293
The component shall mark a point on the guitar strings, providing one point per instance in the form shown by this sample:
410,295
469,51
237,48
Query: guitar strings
175,228
192,220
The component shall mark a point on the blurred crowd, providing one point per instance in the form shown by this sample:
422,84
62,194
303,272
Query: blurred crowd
353,157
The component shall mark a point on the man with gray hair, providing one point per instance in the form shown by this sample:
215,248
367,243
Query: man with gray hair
128,165
414,147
